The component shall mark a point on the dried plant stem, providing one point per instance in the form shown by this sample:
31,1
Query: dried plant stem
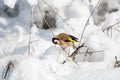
46,20
31,24
111,26
90,52
117,63
82,45
109,29
117,30
88,21
76,51
9,66
58,15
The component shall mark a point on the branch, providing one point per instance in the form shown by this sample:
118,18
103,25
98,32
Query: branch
90,52
6,71
76,51
110,29
82,45
46,20
88,22
31,24
117,63
58,15
111,26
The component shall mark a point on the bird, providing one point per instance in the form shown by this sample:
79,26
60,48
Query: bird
64,40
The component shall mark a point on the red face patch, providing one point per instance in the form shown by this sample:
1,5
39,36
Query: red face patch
55,42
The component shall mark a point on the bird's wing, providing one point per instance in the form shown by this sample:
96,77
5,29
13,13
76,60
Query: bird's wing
74,38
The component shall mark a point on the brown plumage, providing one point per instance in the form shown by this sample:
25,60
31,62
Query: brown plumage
64,39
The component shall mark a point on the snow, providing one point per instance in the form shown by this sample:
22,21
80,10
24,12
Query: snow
33,70
45,61
10,3
32,2
94,75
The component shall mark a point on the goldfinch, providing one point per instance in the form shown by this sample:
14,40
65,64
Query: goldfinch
64,40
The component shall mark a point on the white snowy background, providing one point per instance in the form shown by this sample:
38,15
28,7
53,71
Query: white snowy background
45,60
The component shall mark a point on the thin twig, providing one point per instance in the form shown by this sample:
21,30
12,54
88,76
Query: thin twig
45,20
88,22
117,63
30,32
111,26
86,54
109,29
9,66
76,51
90,52
82,45
117,30
58,15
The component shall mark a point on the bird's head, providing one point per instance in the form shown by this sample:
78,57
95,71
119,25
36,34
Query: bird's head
55,40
